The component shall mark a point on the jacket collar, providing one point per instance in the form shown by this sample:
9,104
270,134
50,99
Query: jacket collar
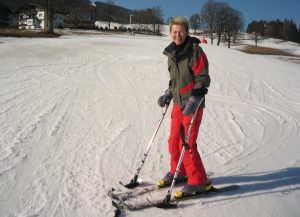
188,44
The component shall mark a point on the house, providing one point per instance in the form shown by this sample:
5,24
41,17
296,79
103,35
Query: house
27,17
33,17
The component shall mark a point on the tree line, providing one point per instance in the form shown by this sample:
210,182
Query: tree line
109,12
220,21
285,30
106,11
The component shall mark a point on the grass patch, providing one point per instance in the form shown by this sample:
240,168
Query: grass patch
26,33
265,51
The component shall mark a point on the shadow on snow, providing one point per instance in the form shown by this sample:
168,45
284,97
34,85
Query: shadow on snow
283,181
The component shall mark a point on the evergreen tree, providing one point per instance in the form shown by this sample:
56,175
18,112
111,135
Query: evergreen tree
286,30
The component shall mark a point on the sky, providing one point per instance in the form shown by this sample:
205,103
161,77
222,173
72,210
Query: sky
252,9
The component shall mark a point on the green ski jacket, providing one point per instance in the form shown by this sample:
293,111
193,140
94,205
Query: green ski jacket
188,70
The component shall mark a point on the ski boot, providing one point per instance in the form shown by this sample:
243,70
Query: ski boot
167,180
189,190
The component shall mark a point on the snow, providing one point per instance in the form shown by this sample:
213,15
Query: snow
287,46
77,113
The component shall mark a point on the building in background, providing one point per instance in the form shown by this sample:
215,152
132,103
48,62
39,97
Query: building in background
33,17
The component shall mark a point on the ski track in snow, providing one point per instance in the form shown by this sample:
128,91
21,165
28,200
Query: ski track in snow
77,113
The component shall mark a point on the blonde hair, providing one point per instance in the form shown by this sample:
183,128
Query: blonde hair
179,20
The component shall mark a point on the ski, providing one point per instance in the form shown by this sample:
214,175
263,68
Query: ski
120,204
172,203
118,211
213,190
125,195
142,188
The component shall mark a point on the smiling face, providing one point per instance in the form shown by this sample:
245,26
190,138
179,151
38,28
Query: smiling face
178,34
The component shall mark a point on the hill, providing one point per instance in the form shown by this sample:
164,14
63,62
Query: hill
77,113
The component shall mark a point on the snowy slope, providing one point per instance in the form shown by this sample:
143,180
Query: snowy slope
77,112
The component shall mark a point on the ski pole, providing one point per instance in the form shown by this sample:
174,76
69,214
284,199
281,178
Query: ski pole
166,202
133,183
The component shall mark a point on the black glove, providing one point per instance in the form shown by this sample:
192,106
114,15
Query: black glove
165,99
201,92
192,103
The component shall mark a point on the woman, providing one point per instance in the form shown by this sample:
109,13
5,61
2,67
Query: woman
189,79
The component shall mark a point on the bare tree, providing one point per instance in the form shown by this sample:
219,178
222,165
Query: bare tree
220,19
195,21
150,17
230,23
208,14
157,19
239,25
108,12
255,36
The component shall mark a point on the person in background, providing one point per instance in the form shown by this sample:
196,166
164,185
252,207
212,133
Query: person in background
189,80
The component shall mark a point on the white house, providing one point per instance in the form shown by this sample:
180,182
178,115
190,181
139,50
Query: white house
27,17
33,17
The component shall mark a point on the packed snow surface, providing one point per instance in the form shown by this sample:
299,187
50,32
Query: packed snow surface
77,113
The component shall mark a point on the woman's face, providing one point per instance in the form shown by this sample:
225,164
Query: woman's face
178,34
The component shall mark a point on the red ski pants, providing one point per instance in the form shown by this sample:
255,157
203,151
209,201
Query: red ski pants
192,165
